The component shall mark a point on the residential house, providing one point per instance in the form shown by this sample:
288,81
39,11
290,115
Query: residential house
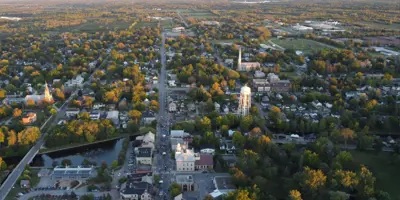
228,147
75,82
148,117
72,112
113,116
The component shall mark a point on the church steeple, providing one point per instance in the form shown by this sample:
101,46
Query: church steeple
47,96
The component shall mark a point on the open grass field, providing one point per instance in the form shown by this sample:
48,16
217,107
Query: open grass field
145,24
381,25
198,13
304,45
387,175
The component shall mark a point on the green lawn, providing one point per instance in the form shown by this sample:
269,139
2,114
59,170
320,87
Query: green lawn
17,189
387,175
145,24
393,26
304,45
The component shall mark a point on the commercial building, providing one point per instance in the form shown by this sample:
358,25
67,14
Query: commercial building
144,155
223,185
185,159
71,172
185,181
205,162
136,191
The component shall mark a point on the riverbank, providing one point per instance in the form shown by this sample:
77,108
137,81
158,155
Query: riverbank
143,130
72,146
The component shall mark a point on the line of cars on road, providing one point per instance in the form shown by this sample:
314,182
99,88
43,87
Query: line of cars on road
49,188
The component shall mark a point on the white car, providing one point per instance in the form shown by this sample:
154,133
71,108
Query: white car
163,153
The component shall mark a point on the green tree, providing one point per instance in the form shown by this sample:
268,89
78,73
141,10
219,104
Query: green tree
114,164
338,195
311,159
174,189
238,139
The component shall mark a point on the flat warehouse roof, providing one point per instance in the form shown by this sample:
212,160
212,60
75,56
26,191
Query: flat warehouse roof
224,183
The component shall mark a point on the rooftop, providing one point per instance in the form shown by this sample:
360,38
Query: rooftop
144,152
224,183
136,188
181,179
205,159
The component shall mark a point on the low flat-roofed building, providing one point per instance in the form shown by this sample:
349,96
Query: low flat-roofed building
72,172
224,184
186,182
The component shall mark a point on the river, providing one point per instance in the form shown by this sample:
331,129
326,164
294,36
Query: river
98,153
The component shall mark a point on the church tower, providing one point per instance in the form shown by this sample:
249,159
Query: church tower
244,101
47,96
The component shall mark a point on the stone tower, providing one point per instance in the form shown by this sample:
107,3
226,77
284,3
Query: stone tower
47,96
244,101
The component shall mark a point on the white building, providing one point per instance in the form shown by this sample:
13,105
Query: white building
76,82
178,29
299,27
244,101
172,107
246,66
259,74
185,159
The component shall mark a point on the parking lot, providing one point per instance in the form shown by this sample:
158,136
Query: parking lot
203,185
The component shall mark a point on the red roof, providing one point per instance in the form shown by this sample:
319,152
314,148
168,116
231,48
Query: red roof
205,159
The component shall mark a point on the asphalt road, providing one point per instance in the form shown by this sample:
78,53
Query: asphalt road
12,178
183,20
163,163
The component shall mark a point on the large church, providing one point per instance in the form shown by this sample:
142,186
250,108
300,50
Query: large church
46,97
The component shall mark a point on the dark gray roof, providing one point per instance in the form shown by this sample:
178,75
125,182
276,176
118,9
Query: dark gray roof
136,188
144,152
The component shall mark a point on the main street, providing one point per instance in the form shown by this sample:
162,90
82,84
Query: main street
12,178
163,163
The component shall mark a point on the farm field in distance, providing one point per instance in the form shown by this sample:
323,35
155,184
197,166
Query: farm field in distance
304,45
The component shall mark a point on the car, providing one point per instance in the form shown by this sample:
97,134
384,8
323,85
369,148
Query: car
161,182
164,153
